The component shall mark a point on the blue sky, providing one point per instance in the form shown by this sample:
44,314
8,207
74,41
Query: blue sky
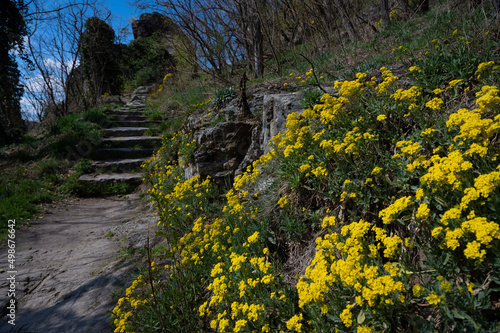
123,12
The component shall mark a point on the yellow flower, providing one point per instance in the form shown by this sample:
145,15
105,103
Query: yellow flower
376,170
389,213
304,168
239,325
436,103
446,286
328,221
363,329
295,323
254,237
346,316
437,231
484,68
423,211
434,299
282,202
381,117
427,131
473,251
418,290
453,83
320,171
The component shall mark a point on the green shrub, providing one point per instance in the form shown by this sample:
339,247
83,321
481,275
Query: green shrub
84,166
154,115
145,61
19,197
96,115
74,137
222,96
311,98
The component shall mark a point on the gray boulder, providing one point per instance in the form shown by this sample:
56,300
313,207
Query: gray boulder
275,110
221,149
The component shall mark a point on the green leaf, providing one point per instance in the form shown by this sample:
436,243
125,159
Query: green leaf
458,314
446,259
361,317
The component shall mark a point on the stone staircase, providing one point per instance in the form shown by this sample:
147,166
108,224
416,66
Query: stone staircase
124,148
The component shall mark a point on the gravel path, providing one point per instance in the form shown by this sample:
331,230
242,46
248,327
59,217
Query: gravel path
69,269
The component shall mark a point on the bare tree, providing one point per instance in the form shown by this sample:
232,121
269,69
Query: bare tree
210,27
53,46
346,20
384,11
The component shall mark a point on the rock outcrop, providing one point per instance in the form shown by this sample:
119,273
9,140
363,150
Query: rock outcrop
275,109
227,149
221,149
150,23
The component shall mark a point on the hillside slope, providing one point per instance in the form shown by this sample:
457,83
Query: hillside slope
376,210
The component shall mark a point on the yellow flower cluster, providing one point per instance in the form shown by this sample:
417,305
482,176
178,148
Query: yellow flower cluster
484,68
388,214
389,80
303,80
349,88
375,286
160,88
358,269
446,171
436,103
479,229
410,96
135,300
295,323
199,105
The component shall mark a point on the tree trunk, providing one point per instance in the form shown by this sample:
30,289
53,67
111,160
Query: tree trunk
346,21
245,112
257,47
384,12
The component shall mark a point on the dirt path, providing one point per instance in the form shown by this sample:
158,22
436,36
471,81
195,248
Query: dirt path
69,268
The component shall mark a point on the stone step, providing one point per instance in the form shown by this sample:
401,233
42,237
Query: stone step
132,123
124,131
124,112
133,179
127,117
131,141
136,105
127,165
121,153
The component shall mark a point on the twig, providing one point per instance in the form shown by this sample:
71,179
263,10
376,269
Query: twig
314,73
